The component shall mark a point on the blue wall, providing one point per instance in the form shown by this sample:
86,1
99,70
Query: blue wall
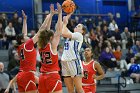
86,6
100,7
117,6
18,5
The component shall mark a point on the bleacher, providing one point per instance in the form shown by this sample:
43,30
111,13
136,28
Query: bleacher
115,83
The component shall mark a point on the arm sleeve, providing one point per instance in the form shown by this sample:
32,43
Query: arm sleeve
77,36
29,45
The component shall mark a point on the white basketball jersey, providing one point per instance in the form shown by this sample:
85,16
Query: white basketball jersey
72,47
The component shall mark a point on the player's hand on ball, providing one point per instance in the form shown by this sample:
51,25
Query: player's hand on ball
65,20
69,15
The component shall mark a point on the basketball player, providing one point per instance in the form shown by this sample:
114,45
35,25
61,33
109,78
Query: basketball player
26,79
71,63
49,80
90,68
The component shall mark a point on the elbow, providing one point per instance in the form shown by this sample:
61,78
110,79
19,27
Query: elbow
63,33
103,75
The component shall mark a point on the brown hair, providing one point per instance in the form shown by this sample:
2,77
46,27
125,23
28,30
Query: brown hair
44,38
84,30
90,47
19,39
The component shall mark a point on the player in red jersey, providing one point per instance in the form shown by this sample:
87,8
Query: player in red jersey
49,80
90,68
26,80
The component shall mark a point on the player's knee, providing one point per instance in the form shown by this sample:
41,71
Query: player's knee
71,90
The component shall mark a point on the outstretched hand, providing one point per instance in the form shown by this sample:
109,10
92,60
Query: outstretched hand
52,11
59,9
24,15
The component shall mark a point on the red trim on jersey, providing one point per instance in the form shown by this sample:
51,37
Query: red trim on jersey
27,57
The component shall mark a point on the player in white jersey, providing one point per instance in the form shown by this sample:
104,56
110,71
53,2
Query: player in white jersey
70,61
72,46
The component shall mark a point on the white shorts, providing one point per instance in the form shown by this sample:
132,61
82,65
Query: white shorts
72,68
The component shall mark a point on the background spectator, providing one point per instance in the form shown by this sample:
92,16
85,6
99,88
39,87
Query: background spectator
136,47
4,78
4,20
113,26
108,59
10,32
133,71
125,36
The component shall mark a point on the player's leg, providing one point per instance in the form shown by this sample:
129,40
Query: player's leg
69,84
78,84
67,76
77,79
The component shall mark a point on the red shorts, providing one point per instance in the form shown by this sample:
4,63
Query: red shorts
49,83
89,89
26,82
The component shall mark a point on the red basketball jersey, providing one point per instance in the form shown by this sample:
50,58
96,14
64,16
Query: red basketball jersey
89,71
49,61
27,57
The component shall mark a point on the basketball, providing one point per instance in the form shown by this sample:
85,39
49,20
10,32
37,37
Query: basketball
68,6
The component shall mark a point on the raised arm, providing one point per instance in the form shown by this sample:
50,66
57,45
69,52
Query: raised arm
52,12
59,21
46,24
24,28
65,31
42,28
58,32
